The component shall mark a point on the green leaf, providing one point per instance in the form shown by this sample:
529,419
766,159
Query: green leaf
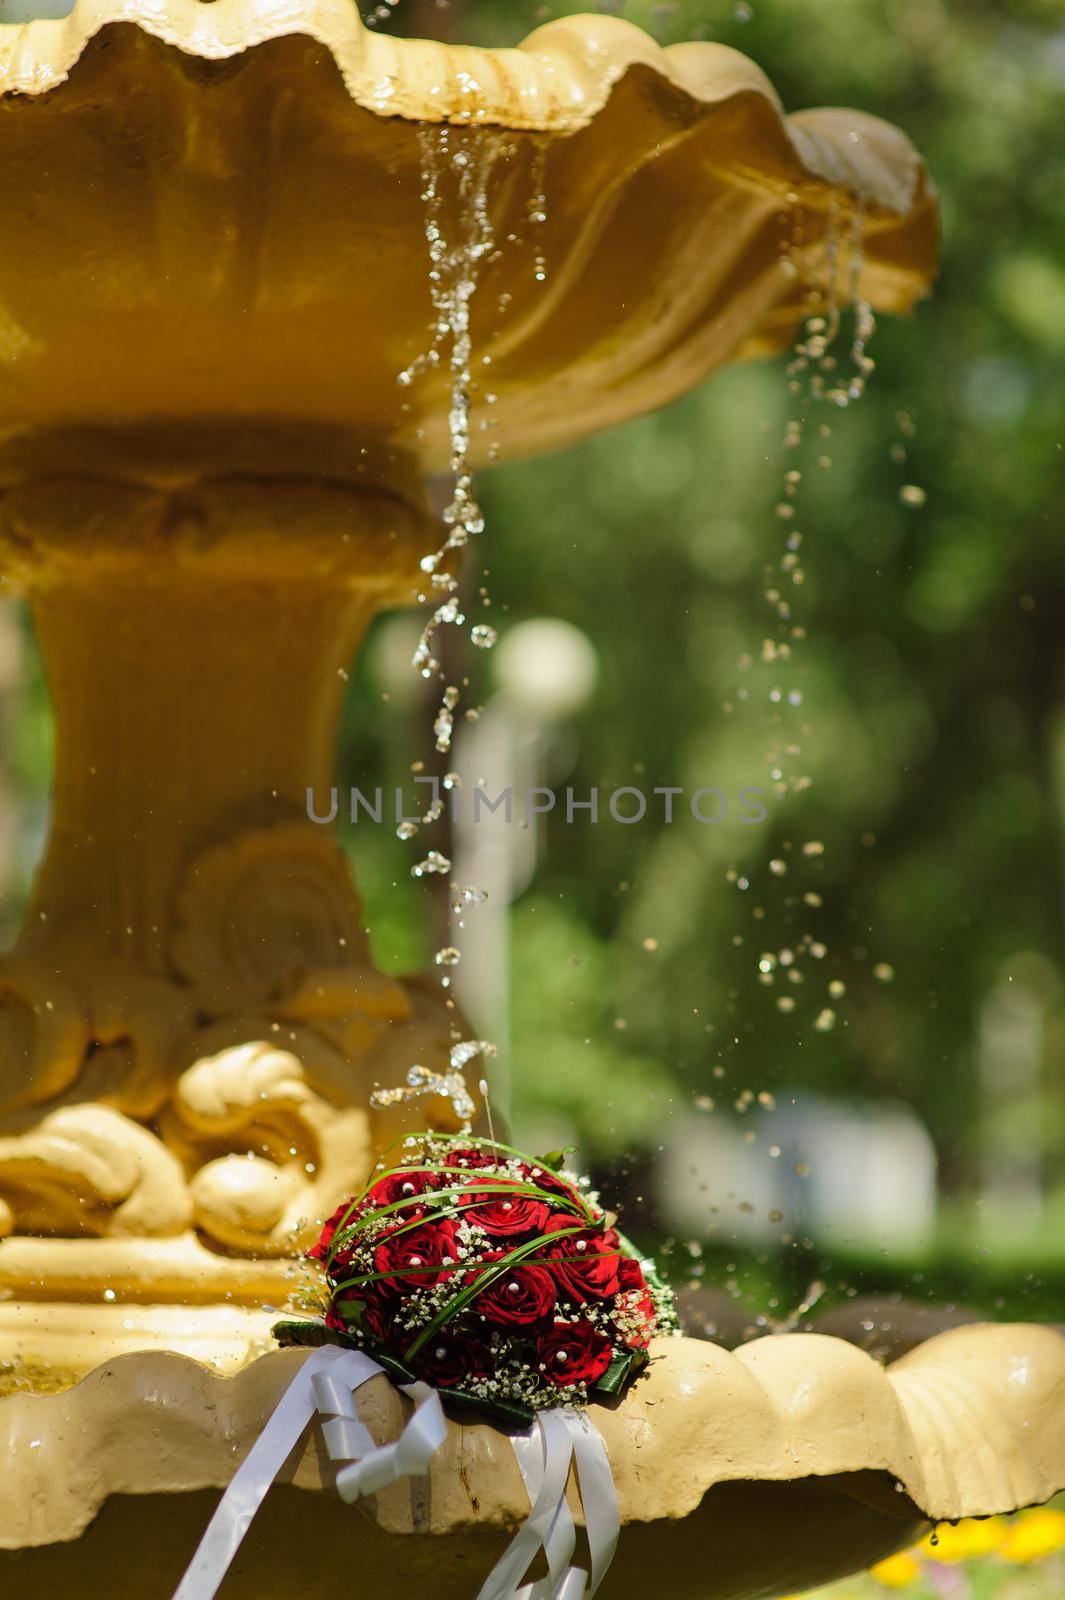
614,1377
624,1366
555,1160
312,1334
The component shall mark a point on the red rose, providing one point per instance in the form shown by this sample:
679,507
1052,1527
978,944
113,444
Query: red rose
573,1352
378,1321
413,1258
333,1319
585,1264
503,1215
630,1274
400,1189
375,1317
451,1359
320,1251
518,1298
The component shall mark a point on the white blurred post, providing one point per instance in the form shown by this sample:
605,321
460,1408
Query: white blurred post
545,670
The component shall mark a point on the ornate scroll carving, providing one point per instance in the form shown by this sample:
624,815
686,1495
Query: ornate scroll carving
286,1156
89,1170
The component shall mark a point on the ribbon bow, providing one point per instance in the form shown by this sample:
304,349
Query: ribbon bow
325,1385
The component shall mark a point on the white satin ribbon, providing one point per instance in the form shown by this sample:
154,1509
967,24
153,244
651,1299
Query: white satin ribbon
557,1439
325,1383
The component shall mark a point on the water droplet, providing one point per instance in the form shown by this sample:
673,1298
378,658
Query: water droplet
434,862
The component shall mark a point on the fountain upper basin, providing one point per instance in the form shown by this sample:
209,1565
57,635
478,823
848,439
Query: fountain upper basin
234,193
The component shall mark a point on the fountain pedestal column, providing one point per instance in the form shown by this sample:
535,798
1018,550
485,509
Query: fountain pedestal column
191,1022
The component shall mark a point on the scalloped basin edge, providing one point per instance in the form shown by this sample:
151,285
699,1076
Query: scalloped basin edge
972,1423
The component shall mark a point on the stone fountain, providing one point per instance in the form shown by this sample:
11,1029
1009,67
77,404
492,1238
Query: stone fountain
212,269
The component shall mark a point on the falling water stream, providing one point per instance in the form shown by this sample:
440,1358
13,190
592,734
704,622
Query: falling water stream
825,374
456,167
818,377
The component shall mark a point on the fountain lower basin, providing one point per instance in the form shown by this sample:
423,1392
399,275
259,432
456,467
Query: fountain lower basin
107,1488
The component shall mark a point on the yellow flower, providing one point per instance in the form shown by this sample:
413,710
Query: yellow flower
1034,1536
966,1541
897,1572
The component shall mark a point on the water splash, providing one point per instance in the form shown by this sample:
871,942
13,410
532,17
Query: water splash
422,1081
537,211
456,169
380,13
434,862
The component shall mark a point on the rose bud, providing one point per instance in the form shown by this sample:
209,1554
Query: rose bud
470,1159
378,1320
630,1274
573,1352
334,1320
401,1189
544,1178
334,1316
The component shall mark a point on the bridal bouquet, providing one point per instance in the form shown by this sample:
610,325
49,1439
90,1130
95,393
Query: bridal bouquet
493,1276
